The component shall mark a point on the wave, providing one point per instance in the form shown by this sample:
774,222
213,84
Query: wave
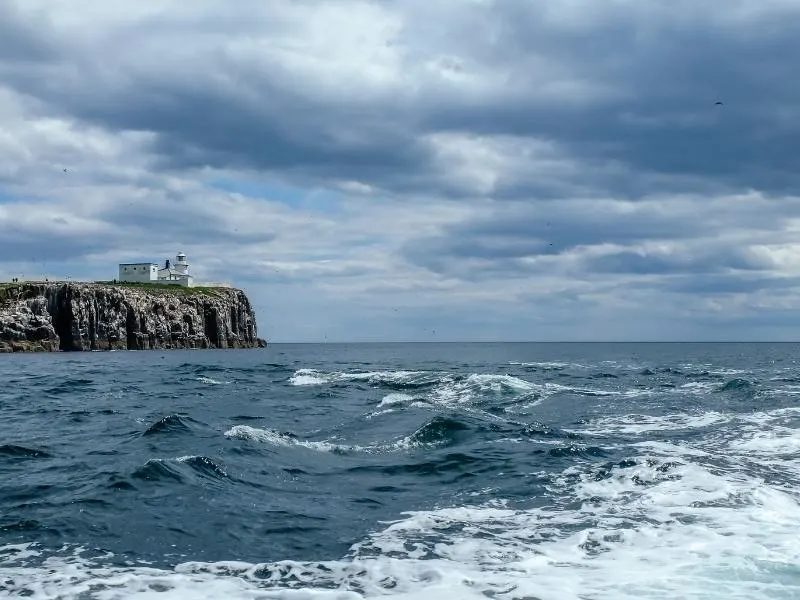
488,395
738,385
70,386
211,380
396,400
439,431
399,380
552,365
14,451
170,424
287,440
698,500
652,526
666,520
180,469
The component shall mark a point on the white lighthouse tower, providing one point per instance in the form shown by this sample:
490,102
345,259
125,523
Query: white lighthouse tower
181,264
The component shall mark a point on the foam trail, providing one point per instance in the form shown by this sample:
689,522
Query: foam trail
655,527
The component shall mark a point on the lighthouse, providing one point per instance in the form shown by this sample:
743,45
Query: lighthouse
181,264
176,272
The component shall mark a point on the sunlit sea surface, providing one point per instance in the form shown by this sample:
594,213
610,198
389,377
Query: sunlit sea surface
506,471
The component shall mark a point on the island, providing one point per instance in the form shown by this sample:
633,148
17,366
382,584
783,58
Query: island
137,311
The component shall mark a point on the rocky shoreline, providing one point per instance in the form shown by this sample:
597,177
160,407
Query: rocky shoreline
70,316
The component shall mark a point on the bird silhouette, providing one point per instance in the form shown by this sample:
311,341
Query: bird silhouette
718,103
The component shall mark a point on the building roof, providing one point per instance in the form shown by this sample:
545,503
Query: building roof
139,264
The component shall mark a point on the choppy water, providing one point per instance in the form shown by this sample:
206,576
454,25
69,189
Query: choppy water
527,471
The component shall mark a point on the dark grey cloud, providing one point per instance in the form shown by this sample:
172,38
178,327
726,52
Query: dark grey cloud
678,286
525,230
663,72
22,43
730,283
647,263
253,120
181,222
570,224
673,73
212,127
36,245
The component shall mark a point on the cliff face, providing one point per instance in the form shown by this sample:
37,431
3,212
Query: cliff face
91,316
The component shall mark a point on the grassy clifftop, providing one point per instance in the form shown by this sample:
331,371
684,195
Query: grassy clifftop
161,287
156,288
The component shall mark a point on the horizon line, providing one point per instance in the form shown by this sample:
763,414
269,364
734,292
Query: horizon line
323,342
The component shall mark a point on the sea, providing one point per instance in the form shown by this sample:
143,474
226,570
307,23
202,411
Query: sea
426,471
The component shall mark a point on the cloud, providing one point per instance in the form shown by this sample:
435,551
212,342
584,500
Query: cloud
381,170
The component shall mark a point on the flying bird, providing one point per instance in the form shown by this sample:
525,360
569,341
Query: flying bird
718,103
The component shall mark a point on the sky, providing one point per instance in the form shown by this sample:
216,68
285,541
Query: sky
449,170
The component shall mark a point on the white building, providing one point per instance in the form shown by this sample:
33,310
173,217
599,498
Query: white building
139,272
176,274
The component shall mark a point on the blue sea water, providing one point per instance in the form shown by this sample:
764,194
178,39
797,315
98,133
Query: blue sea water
508,471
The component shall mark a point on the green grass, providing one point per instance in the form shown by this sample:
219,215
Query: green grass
161,287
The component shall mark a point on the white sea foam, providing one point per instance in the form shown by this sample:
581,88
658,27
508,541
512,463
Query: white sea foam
553,364
211,380
394,400
697,387
383,376
638,424
308,377
245,432
454,391
642,424
661,528
186,458
316,377
711,369
787,389
268,436
727,372
779,440
674,522
451,390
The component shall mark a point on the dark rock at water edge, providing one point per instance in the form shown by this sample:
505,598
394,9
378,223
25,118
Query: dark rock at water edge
36,317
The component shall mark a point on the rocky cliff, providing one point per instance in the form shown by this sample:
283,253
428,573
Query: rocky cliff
98,316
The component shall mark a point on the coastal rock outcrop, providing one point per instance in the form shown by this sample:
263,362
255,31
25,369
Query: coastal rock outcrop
103,316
